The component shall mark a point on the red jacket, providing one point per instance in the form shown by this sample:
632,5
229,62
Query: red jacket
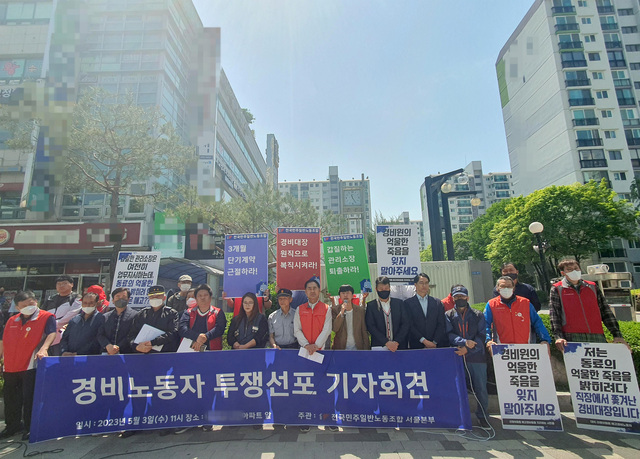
581,311
512,325
312,320
216,343
22,340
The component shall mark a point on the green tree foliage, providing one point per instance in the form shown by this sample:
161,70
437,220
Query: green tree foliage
115,145
248,116
576,218
634,190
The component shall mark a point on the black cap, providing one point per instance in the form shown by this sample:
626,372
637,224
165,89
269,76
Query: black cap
459,290
284,292
155,290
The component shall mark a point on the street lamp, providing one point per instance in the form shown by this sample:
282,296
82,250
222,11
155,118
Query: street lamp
536,229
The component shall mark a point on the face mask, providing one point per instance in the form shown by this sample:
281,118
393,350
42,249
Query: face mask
28,310
513,276
121,303
506,293
184,287
383,294
575,275
191,302
156,302
88,310
461,303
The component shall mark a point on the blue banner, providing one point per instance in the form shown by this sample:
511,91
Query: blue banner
246,258
97,394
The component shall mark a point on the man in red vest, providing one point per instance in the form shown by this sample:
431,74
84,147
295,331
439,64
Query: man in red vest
203,324
509,318
577,309
312,322
26,337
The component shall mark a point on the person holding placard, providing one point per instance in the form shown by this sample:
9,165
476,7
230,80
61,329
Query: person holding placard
509,317
249,328
577,309
349,323
203,324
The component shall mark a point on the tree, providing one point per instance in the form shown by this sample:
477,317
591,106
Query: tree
113,146
248,116
576,218
634,190
262,210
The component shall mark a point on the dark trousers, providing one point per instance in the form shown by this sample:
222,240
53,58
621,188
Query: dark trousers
18,398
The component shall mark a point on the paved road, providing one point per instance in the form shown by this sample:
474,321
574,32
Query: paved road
269,442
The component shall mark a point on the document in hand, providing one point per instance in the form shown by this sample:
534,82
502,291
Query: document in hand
315,357
185,345
148,333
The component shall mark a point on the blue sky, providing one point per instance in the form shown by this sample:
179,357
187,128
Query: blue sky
394,89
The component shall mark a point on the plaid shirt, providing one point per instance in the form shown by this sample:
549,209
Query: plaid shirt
556,314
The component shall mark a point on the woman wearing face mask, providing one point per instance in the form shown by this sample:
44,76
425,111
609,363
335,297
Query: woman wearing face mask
249,328
112,335
509,317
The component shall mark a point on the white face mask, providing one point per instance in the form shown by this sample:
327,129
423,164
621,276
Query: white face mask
191,302
506,293
156,302
184,287
575,275
88,310
29,310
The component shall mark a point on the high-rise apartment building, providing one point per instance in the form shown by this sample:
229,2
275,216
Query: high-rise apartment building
488,188
569,77
160,52
349,198
406,220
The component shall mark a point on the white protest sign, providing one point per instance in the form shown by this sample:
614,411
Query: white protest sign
398,252
526,391
137,271
604,387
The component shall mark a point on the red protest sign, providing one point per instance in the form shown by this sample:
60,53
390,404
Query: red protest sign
298,256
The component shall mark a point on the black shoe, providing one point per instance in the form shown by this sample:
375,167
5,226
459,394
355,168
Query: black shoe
305,429
333,428
6,433
127,433
26,435
207,428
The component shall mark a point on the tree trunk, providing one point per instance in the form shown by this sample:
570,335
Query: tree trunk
115,231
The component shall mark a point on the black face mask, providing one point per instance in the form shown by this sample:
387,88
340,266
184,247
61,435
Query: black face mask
513,276
461,303
383,294
122,303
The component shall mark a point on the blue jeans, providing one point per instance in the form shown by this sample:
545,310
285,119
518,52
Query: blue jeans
478,372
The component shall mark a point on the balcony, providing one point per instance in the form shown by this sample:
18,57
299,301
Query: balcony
626,101
596,142
631,122
617,63
609,26
578,82
570,45
558,10
605,9
572,27
586,122
572,64
583,101
631,141
589,163
613,44
622,82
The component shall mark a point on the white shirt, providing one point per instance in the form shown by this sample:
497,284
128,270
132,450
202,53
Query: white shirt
321,341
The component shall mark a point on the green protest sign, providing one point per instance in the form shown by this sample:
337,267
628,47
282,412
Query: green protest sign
345,261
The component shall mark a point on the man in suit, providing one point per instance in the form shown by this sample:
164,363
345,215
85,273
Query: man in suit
349,323
387,319
428,326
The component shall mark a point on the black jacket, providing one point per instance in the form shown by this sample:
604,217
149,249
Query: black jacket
241,332
165,319
433,327
107,333
400,322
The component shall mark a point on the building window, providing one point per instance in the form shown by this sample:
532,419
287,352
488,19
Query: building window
636,84
582,3
619,176
609,134
632,29
586,20
594,56
625,11
634,244
602,94
625,196
590,38
615,155
606,113
597,75
632,47
636,267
